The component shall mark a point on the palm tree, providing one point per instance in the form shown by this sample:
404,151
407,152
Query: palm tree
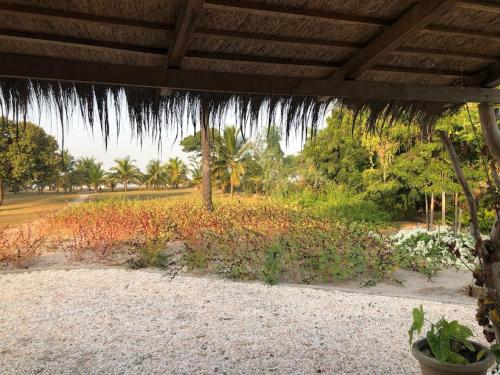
232,152
96,176
195,169
67,170
156,174
125,171
83,166
176,171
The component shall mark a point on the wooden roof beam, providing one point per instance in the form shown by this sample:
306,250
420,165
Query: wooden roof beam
54,69
183,33
418,17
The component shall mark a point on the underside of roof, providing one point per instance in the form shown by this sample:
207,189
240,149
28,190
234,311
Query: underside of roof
392,57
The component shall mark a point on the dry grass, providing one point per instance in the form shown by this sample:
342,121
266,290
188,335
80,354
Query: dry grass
28,206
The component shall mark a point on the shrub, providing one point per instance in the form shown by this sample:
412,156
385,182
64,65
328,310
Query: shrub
432,251
338,203
247,239
21,244
272,264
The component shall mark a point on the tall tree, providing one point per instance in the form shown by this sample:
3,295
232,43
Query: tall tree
28,156
176,172
125,171
97,176
232,153
67,170
156,174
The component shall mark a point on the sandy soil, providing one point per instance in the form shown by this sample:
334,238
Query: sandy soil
114,321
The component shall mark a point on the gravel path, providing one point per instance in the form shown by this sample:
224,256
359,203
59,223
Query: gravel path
128,322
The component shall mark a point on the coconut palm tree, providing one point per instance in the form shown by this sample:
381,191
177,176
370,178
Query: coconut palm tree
125,171
156,174
176,172
67,170
97,176
195,169
83,167
232,153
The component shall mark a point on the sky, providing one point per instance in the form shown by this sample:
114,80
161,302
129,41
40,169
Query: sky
81,141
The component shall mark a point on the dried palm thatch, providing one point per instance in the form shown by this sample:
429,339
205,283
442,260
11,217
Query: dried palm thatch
151,114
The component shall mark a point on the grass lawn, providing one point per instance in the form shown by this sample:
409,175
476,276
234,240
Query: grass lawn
28,206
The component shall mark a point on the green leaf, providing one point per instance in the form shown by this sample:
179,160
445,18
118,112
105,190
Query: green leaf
481,354
495,349
418,322
456,359
433,341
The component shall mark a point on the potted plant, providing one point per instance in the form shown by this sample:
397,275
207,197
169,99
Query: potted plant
446,348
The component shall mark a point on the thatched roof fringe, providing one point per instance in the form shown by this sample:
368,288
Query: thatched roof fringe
150,113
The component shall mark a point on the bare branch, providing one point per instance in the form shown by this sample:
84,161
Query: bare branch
465,186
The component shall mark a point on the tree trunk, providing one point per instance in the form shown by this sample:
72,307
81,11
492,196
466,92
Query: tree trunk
431,216
125,186
231,188
2,192
443,209
206,179
489,127
427,222
455,217
465,186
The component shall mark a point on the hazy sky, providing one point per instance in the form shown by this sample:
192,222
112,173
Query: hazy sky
81,141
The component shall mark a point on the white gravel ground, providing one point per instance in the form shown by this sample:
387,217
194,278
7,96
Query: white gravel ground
129,322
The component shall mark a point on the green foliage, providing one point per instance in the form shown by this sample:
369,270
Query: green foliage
150,255
338,152
28,156
448,341
272,264
125,171
418,322
338,203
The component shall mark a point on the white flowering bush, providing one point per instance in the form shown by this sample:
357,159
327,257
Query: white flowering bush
431,251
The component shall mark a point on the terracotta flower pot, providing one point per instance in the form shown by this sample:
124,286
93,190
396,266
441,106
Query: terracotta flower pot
431,366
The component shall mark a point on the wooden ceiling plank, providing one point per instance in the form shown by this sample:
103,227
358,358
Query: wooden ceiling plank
46,68
418,17
63,16
184,30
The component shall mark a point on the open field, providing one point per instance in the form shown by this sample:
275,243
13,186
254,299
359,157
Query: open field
28,206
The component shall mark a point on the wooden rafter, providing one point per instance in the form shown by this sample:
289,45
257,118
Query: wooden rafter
415,19
184,30
46,68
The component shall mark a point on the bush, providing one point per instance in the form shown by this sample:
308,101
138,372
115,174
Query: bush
431,251
338,203
272,265
247,239
19,245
